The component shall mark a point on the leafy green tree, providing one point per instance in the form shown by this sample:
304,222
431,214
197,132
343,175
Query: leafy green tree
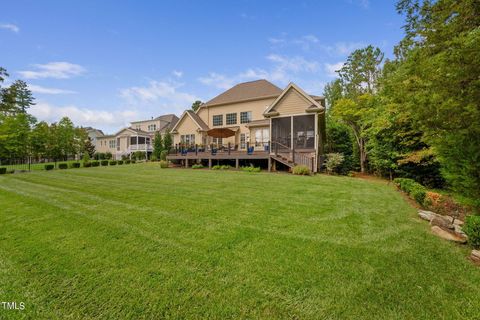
66,138
89,147
39,140
157,145
167,141
196,105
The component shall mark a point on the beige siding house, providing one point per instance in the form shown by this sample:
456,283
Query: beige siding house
281,126
137,137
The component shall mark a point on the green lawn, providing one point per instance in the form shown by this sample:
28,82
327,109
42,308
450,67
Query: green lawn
138,241
35,166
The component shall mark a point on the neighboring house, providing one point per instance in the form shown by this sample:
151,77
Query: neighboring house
137,137
93,134
269,123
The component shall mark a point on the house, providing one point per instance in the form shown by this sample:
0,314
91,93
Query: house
93,134
265,123
137,137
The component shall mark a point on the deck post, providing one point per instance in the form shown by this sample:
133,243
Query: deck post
236,163
196,149
186,162
229,148
248,146
210,163
293,154
269,164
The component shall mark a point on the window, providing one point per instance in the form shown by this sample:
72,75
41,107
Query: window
152,127
245,117
218,141
243,140
262,136
138,127
188,139
111,144
231,118
217,120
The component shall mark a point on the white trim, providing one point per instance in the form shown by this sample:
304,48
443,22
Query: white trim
292,85
180,119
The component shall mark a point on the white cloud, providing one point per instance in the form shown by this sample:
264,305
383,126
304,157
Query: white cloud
281,71
343,48
83,116
161,93
57,70
10,26
332,68
177,73
44,90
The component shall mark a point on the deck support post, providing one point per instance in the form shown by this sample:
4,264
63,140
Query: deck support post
209,163
236,163
269,164
186,163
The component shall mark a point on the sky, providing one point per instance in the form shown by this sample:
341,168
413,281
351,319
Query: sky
106,63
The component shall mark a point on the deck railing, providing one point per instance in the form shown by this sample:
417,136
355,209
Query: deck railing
297,158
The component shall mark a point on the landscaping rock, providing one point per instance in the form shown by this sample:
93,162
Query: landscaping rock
475,256
426,215
442,222
458,229
448,235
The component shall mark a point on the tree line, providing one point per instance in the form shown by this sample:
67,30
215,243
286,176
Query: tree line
22,136
416,115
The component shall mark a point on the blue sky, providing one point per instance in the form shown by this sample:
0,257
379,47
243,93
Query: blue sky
105,63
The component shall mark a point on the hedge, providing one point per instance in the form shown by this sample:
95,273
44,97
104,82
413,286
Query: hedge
3,170
87,164
63,166
120,162
95,163
104,163
301,170
127,161
412,188
197,166
75,164
113,163
49,167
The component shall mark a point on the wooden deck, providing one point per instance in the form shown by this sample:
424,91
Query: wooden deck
220,155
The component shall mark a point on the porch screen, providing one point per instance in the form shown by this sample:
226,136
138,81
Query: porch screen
304,132
281,130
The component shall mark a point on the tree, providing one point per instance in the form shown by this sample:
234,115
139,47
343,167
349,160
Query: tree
167,141
16,99
39,140
196,105
157,145
66,138
89,147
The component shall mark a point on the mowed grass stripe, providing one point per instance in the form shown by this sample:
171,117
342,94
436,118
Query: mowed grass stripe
205,244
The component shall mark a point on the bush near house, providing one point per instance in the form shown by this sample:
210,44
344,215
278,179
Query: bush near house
133,161
163,164
127,161
49,167
197,166
221,167
113,163
75,165
412,188
333,162
104,163
120,162
472,230
95,163
87,164
63,166
301,170
251,169
163,155
3,170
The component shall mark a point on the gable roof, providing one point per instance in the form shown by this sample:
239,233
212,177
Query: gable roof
198,121
246,91
316,105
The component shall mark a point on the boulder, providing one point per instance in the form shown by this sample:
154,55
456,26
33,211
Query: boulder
426,215
458,229
475,256
448,235
442,222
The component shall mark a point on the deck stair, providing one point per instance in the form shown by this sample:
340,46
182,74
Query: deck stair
291,158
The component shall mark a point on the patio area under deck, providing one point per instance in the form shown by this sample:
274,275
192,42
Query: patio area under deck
191,157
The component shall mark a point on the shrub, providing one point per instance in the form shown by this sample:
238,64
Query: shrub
221,167
472,230
75,165
163,155
3,170
333,161
127,161
163,164
108,155
197,166
87,164
153,158
120,162
251,169
63,166
133,161
49,167
104,163
113,163
95,163
412,188
301,170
